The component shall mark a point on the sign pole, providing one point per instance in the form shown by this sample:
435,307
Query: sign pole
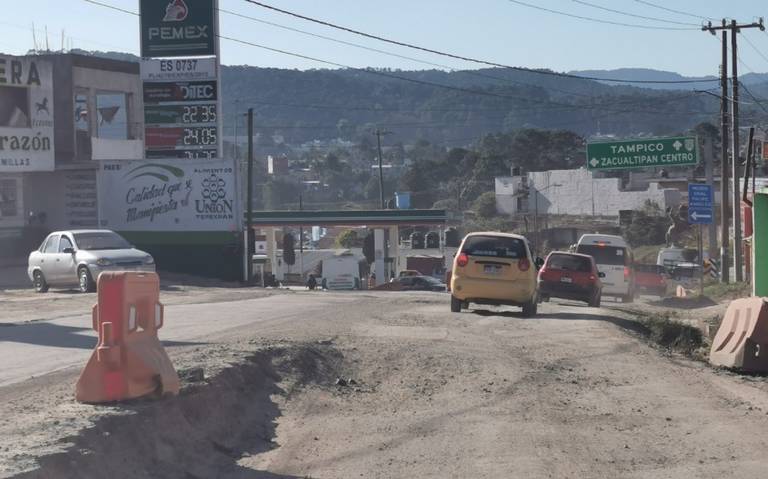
701,261
249,200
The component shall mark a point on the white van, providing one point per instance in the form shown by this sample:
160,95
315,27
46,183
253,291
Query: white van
614,258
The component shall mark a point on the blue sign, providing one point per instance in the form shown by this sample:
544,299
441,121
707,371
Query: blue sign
701,205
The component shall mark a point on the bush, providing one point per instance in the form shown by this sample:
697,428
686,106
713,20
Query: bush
485,205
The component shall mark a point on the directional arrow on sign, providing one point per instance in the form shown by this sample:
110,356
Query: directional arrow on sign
594,162
677,145
696,216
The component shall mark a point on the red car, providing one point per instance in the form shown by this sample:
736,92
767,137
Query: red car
651,279
570,276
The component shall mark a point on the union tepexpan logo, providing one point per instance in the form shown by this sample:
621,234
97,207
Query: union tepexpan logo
176,11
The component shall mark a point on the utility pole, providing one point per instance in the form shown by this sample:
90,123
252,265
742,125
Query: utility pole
735,152
378,134
735,28
249,219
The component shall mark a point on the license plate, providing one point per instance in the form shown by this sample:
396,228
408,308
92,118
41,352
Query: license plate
492,269
566,280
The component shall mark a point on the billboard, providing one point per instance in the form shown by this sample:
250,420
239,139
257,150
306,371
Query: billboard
178,28
26,114
168,195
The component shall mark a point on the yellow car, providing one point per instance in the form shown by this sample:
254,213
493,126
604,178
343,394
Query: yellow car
495,269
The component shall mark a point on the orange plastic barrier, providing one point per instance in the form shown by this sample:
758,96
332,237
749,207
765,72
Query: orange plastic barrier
742,340
129,361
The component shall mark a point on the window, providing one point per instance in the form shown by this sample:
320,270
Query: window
568,262
64,243
8,196
100,240
495,246
612,255
14,107
112,116
51,246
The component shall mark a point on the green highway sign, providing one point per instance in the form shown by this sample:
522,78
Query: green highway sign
643,153
177,28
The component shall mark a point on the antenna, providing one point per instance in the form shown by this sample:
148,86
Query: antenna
62,40
47,48
34,36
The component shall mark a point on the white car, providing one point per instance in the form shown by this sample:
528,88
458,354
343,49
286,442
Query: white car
75,258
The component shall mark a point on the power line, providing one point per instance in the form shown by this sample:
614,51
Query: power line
758,101
112,7
464,58
752,45
392,54
598,20
679,12
600,7
393,76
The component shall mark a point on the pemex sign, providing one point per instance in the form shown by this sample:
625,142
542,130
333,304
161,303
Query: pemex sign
178,28
643,153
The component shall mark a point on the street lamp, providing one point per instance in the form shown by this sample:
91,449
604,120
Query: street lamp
536,211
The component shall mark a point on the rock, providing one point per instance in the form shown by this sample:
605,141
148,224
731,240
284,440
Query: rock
341,382
352,382
192,375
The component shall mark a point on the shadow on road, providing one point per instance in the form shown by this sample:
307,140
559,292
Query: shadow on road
202,433
627,324
54,335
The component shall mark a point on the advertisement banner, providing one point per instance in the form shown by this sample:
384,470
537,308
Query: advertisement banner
26,114
168,195
177,28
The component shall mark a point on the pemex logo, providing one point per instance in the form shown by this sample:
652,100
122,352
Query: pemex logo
176,11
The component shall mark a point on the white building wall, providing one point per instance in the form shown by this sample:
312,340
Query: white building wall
508,190
576,192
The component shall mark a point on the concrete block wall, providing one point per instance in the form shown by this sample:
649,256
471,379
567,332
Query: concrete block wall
578,193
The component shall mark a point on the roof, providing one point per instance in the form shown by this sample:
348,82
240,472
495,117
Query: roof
496,233
571,254
84,231
349,217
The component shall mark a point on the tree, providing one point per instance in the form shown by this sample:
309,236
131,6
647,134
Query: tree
648,227
347,239
289,253
485,205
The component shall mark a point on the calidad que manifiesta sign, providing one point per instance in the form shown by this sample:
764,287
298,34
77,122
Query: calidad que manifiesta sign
168,195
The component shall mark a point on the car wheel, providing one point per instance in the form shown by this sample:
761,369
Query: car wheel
595,301
38,281
85,280
456,304
530,308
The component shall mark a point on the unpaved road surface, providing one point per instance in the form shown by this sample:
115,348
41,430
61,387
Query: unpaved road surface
423,393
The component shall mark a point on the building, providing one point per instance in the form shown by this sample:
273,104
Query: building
59,113
577,193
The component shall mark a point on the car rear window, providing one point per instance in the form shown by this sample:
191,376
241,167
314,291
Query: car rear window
613,255
569,262
650,268
495,246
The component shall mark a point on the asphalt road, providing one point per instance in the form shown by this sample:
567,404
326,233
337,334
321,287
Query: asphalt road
485,393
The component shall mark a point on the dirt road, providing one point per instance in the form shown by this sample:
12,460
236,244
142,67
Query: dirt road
423,393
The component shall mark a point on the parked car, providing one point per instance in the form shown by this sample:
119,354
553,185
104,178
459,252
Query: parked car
75,258
420,283
495,269
613,257
651,279
570,276
408,272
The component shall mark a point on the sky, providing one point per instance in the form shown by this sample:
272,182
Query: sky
501,31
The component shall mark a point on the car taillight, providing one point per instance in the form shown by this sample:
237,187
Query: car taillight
524,264
592,277
462,260
626,272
